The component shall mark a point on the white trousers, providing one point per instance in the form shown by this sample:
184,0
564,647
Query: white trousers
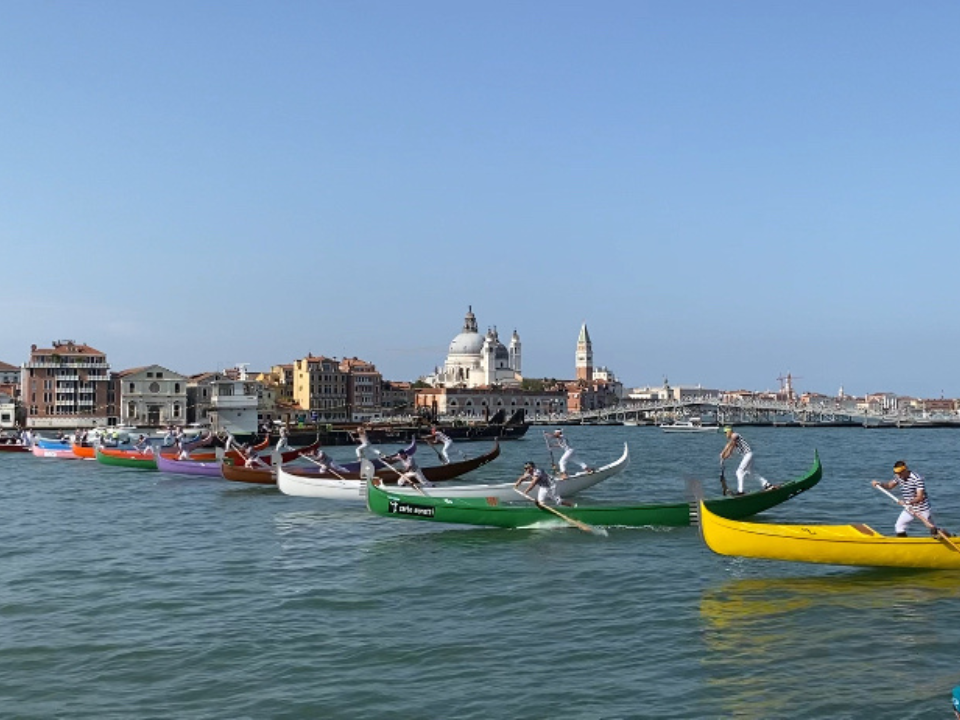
566,457
361,449
445,450
746,468
906,518
548,492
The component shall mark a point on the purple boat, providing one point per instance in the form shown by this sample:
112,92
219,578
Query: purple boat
188,467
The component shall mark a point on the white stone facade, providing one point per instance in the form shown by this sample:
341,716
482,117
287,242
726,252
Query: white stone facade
475,360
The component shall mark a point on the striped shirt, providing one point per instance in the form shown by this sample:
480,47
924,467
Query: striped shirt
541,479
740,445
910,488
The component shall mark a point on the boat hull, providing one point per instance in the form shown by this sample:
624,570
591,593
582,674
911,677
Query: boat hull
310,482
53,450
858,545
188,467
490,512
125,458
352,490
505,492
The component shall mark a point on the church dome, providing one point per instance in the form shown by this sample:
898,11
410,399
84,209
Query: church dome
466,343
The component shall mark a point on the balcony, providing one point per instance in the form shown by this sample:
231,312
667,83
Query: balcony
65,364
228,402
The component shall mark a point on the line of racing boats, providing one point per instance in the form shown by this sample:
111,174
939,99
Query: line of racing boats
374,481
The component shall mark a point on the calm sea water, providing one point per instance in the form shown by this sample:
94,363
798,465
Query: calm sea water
131,594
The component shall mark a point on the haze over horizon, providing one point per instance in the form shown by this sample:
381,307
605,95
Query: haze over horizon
723,192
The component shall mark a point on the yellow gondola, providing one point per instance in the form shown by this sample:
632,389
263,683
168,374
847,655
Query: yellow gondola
857,544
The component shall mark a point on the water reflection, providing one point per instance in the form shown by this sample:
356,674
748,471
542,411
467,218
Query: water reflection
827,644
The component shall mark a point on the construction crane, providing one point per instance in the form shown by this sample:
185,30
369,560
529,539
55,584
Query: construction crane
786,385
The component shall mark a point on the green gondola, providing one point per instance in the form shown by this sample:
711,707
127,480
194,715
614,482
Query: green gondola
489,511
126,458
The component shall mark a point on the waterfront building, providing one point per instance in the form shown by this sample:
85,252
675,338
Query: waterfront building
482,403
67,386
675,393
346,390
225,400
152,396
9,374
281,379
398,398
364,388
320,386
479,360
8,411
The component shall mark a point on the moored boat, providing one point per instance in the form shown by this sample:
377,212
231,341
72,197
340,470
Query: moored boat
490,511
693,425
13,443
855,544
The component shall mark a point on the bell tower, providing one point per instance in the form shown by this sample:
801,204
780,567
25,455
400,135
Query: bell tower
584,356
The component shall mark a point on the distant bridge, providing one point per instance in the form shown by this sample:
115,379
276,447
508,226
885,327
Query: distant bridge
750,412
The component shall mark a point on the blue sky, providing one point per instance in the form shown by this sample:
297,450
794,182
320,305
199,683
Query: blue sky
723,191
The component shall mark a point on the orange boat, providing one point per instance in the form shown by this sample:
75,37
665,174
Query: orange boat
88,452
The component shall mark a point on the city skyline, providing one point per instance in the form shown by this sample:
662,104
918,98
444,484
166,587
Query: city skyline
724,193
786,381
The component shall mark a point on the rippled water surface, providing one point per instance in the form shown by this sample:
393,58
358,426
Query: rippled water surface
134,594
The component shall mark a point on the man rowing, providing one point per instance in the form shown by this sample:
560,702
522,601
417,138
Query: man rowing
411,474
557,440
439,437
545,484
736,443
915,501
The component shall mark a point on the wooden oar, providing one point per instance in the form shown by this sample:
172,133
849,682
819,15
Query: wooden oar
940,534
553,463
723,479
416,485
320,464
433,446
576,523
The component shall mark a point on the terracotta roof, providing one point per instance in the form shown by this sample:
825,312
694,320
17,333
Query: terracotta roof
67,349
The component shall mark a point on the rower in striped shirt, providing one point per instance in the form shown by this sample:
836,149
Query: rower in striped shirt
914,492
736,443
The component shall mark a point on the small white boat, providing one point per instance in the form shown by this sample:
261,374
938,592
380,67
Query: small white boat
693,425
355,491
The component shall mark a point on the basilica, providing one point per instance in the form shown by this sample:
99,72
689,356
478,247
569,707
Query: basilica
475,360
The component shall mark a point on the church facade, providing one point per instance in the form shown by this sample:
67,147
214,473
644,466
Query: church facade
479,360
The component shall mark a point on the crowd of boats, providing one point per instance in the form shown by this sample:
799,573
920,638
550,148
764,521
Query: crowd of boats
395,485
